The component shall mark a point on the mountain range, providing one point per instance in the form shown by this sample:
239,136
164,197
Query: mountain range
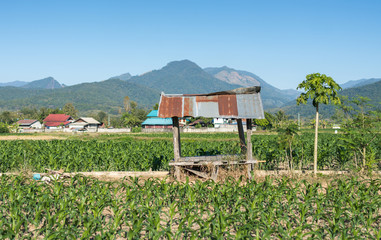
176,77
45,83
359,83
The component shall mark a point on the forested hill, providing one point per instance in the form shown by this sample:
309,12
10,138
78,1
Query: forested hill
45,83
371,91
106,96
359,83
176,77
182,77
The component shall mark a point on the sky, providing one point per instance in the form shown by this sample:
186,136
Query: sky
280,41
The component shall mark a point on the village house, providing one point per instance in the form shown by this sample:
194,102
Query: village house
85,124
55,121
217,122
29,124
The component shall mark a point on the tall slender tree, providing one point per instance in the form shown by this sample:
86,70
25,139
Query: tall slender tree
322,90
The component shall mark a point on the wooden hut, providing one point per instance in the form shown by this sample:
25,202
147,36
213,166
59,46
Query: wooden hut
241,103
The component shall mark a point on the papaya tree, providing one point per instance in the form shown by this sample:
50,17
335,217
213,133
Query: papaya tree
321,89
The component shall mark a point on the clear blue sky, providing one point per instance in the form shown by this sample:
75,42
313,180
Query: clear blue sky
280,41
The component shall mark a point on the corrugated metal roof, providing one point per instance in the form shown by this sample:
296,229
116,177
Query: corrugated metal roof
87,120
26,122
56,124
158,121
237,103
57,118
153,113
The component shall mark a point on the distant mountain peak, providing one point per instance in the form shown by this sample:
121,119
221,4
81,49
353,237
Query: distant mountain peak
359,83
182,76
124,77
45,83
181,64
13,84
233,76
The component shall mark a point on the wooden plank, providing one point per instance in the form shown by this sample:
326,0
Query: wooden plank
215,163
209,158
241,136
198,173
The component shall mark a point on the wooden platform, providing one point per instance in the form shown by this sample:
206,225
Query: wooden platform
217,160
187,164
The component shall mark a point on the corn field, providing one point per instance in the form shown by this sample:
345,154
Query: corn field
155,153
83,208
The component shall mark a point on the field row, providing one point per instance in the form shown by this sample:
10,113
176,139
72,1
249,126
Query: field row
82,208
129,154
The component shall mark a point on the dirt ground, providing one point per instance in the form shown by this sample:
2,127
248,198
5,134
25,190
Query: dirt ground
30,137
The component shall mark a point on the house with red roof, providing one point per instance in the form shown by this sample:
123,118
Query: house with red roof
53,121
29,123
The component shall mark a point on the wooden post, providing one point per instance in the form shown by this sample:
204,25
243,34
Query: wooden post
214,173
241,136
249,153
249,145
176,144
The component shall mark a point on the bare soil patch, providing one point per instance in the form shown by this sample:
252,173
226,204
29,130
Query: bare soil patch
30,137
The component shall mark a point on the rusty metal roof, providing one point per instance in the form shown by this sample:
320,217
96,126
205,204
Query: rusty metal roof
237,103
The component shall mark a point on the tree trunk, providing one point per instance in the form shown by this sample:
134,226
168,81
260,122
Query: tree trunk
316,139
292,163
363,157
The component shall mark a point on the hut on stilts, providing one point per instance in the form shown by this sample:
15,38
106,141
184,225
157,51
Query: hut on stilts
238,104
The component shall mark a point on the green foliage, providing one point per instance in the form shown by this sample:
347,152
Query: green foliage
281,117
83,208
4,128
262,122
69,109
361,130
286,138
104,96
136,129
320,88
8,117
101,117
128,154
38,114
135,116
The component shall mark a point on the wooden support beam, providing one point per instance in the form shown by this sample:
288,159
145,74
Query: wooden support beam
249,169
241,136
198,173
215,163
176,145
176,138
249,152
